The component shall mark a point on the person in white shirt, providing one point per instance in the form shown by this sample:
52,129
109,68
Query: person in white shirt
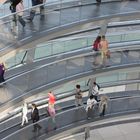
91,102
24,114
95,91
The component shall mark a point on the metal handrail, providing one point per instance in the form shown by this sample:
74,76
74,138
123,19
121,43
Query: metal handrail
60,2
57,61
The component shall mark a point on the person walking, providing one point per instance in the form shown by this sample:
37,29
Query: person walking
19,10
24,114
103,49
103,105
13,4
96,46
52,98
95,90
51,111
35,117
2,71
33,11
78,96
91,102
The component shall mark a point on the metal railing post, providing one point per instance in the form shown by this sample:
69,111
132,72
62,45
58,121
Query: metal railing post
87,132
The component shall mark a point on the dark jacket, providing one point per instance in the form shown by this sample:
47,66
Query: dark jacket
36,2
13,5
35,115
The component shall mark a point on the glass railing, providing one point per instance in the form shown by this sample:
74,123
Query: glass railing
4,7
52,48
48,24
118,107
73,68
118,89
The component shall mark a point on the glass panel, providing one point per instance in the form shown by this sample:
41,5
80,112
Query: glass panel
91,40
58,47
10,62
19,57
122,76
108,78
75,44
132,75
13,61
43,51
131,36
114,38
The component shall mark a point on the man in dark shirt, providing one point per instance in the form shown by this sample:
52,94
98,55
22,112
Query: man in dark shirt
35,117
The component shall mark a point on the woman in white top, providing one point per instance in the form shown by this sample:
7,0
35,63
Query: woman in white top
90,105
95,91
19,9
24,114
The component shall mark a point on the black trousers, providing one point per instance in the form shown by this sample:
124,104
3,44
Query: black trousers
36,126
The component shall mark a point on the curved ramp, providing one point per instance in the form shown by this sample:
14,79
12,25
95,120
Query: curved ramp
56,22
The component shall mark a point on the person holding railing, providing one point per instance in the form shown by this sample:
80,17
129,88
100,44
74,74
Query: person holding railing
33,11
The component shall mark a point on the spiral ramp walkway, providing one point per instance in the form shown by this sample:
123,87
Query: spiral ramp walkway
58,72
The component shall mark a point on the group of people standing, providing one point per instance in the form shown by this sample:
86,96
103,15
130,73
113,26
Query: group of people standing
93,98
100,45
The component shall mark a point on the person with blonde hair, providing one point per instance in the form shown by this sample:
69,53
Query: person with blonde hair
104,49
103,105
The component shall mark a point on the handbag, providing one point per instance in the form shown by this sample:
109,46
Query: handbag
108,54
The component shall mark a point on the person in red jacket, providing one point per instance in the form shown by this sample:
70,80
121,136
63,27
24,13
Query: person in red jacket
96,47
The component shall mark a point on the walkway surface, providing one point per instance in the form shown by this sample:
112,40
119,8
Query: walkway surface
128,131
54,19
